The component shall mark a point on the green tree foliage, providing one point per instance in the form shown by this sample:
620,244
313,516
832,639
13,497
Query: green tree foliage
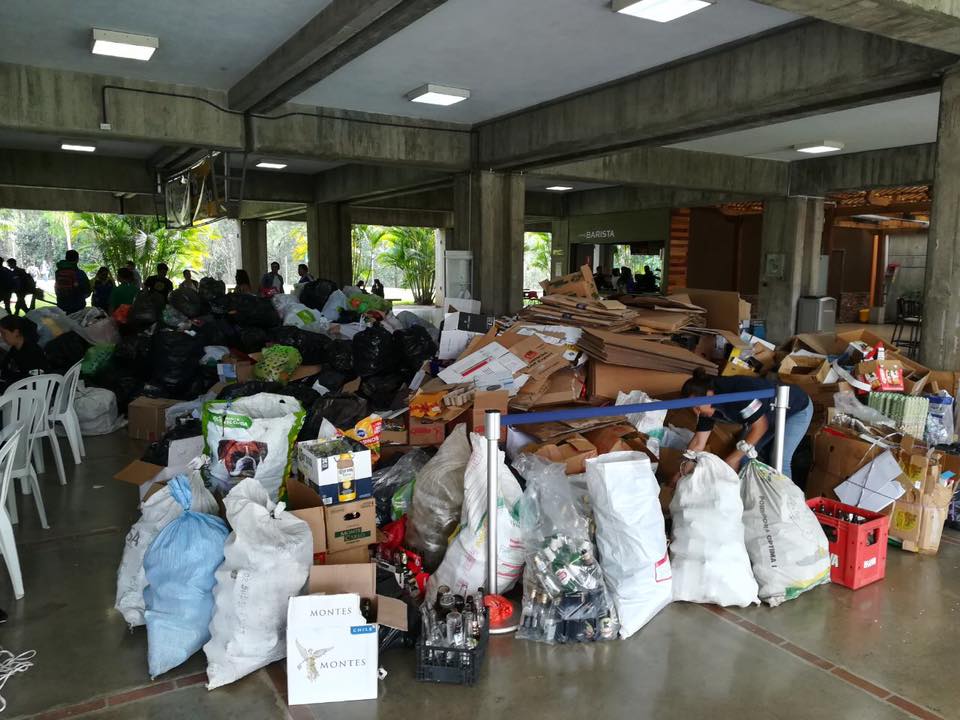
412,251
536,258
222,257
287,245
35,239
365,241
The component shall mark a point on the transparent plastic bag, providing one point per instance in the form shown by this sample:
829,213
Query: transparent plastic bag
387,481
940,426
846,403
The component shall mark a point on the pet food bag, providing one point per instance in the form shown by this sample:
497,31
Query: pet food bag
266,562
251,437
787,546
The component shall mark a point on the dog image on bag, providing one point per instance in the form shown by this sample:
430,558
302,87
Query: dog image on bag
242,458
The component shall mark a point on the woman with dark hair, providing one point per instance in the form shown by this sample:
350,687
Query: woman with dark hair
25,358
243,285
756,416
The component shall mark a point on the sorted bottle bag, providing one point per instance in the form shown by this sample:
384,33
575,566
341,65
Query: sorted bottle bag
179,566
631,537
156,513
787,546
251,437
438,499
267,559
464,566
708,551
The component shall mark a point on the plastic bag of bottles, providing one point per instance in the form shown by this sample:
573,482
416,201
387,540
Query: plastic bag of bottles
387,481
565,599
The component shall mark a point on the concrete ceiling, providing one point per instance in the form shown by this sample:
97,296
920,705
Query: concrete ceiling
910,121
204,43
298,165
537,183
512,54
14,140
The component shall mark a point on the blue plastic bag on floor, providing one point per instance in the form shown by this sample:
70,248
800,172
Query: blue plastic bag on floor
179,567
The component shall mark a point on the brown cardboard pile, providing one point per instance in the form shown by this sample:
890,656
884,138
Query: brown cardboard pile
632,350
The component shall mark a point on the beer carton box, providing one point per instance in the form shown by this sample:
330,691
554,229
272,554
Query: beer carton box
350,525
918,517
338,477
332,649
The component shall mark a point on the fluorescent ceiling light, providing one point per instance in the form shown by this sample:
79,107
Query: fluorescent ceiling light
659,10
75,147
559,188
123,45
817,148
437,95
271,165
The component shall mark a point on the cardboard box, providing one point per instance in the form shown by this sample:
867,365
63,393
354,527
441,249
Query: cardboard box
820,343
919,515
333,650
307,505
233,370
337,477
349,525
725,310
580,284
359,555
304,371
804,370
147,475
147,418
484,400
881,375
751,362
606,380
433,431
394,430
835,458
573,452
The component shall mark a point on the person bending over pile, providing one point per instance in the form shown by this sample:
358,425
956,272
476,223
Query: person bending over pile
756,416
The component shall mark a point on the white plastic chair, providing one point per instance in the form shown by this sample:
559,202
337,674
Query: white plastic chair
63,412
45,387
19,410
8,545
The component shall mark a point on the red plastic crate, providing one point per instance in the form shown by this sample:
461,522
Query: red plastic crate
858,553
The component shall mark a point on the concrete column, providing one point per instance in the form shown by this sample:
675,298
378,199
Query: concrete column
253,249
329,242
810,281
559,248
488,219
940,343
791,227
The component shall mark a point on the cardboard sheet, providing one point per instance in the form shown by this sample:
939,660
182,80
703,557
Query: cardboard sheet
874,486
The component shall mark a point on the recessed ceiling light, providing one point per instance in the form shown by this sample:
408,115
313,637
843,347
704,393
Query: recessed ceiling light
659,10
271,165
438,95
818,148
123,45
559,188
76,147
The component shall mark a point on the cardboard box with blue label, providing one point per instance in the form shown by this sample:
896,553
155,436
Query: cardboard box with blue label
339,470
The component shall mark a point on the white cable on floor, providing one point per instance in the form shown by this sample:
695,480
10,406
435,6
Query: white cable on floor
10,665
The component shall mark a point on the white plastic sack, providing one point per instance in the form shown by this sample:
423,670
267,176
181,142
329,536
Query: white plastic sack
267,559
334,304
786,544
156,512
96,410
52,322
301,316
180,565
103,332
251,437
282,302
464,567
710,561
631,537
645,422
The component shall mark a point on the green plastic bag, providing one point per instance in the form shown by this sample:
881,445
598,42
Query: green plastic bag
400,503
96,359
277,363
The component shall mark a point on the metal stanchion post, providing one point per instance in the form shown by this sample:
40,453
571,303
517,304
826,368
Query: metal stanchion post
491,427
780,406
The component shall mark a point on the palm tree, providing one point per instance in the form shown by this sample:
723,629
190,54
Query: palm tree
411,250
365,240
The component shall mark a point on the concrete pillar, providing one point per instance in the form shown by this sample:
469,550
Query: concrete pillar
488,219
940,343
559,248
811,282
253,250
792,227
329,249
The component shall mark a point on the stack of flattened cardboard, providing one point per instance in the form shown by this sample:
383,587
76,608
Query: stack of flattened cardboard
638,351
578,284
665,313
582,312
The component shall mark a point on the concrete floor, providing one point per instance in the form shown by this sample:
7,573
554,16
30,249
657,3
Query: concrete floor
886,651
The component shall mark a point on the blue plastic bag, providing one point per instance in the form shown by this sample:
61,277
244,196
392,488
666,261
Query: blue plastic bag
180,566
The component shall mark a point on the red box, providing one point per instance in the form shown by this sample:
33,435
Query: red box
858,552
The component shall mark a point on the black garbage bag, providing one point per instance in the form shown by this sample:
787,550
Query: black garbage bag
417,346
124,385
211,288
252,339
64,352
158,452
375,352
217,331
340,356
246,310
147,310
343,410
311,346
314,294
133,354
188,301
304,393
175,362
329,378
381,390
348,316
246,389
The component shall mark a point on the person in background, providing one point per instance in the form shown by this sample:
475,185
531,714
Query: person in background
625,283
598,277
362,285
377,288
71,284
160,283
137,280
189,283
126,291
25,285
25,357
8,283
756,416
304,272
272,280
103,286
647,282
243,285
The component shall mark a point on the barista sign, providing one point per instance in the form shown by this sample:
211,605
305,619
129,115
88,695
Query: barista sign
598,235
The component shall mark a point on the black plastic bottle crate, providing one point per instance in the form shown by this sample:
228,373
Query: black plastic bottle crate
451,665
